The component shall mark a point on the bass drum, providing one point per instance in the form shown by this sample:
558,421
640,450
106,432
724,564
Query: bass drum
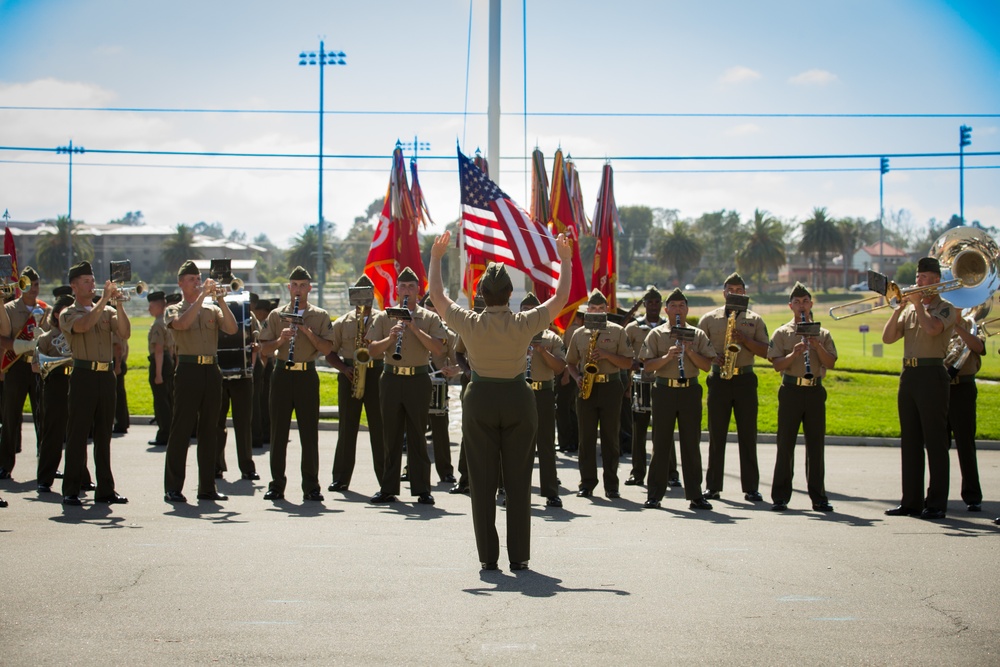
234,349
439,396
642,394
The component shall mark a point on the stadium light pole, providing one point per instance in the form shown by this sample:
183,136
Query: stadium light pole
322,58
69,150
416,147
883,170
964,139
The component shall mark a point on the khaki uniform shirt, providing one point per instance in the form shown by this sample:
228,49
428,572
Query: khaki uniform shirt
45,343
159,333
95,343
714,323
413,351
497,338
540,371
449,358
637,330
316,319
202,337
19,312
916,342
658,343
345,333
570,330
974,361
784,339
612,339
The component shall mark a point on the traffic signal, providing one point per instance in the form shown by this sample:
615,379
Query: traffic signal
885,165
964,136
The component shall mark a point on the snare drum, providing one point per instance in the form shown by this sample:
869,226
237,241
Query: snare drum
642,394
439,396
234,349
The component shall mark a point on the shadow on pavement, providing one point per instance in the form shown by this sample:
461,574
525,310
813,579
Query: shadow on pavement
531,584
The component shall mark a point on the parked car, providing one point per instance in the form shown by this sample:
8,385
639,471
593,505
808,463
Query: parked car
689,287
859,287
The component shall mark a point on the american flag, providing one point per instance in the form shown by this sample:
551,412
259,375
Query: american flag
499,229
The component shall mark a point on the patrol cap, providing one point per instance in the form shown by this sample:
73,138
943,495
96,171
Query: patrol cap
156,296
597,298
495,280
62,290
407,276
175,297
30,273
299,273
81,269
529,301
188,268
677,295
799,290
364,281
929,265
734,279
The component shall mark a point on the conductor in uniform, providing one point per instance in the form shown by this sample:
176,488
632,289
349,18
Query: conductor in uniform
88,328
736,395
197,382
405,389
345,336
803,362
676,398
498,415
295,345
603,408
925,322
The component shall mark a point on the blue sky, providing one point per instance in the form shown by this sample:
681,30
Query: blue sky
767,57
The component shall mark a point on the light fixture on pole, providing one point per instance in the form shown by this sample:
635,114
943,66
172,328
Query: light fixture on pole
964,139
69,150
883,170
415,146
322,58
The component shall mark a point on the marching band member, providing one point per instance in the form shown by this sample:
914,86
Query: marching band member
962,413
197,383
567,424
262,369
446,365
161,368
295,383
238,392
636,331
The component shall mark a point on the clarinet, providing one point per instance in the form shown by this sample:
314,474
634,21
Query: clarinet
680,359
527,363
398,353
295,333
809,374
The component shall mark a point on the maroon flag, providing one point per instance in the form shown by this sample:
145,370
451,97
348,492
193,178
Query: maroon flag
604,275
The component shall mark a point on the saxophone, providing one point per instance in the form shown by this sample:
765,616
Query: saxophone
732,349
361,357
589,367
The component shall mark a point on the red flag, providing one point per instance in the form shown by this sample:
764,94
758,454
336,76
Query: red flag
604,275
502,231
563,222
540,211
380,266
10,249
405,219
423,213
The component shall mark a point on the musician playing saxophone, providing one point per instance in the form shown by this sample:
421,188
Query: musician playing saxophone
735,394
294,382
345,342
676,400
602,410
405,389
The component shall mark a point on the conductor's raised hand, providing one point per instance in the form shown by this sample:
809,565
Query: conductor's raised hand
440,246
563,247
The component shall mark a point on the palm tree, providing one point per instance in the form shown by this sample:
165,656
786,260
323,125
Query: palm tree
51,249
820,237
764,250
679,248
180,248
303,251
852,235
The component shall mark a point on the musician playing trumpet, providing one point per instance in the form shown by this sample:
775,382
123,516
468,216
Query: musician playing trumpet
296,338
348,329
405,388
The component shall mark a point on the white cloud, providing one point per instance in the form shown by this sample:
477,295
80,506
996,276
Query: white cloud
813,77
739,74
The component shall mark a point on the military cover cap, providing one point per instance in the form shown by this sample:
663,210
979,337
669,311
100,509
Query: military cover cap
62,290
173,298
597,298
734,279
677,295
299,273
529,301
928,264
407,276
799,290
188,268
81,269
364,281
60,304
30,273
652,294
496,280
156,296
254,298
427,302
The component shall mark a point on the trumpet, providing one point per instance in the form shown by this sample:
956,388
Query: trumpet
9,289
125,293
235,285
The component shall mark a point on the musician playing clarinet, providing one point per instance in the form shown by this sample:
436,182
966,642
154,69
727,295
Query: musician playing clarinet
803,362
295,335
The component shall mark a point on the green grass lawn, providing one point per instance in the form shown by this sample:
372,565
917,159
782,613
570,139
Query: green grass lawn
861,390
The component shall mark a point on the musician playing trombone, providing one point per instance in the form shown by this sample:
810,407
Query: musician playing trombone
925,322
296,335
405,388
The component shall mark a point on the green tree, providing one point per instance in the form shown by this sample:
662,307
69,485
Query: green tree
353,250
51,249
763,251
854,233
179,248
678,248
211,230
637,223
132,219
820,238
720,235
906,273
304,251
373,209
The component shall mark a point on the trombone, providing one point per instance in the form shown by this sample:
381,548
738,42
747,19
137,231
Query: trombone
969,268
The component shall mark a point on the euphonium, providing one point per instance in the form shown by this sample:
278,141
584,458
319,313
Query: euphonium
361,357
732,349
47,364
589,367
